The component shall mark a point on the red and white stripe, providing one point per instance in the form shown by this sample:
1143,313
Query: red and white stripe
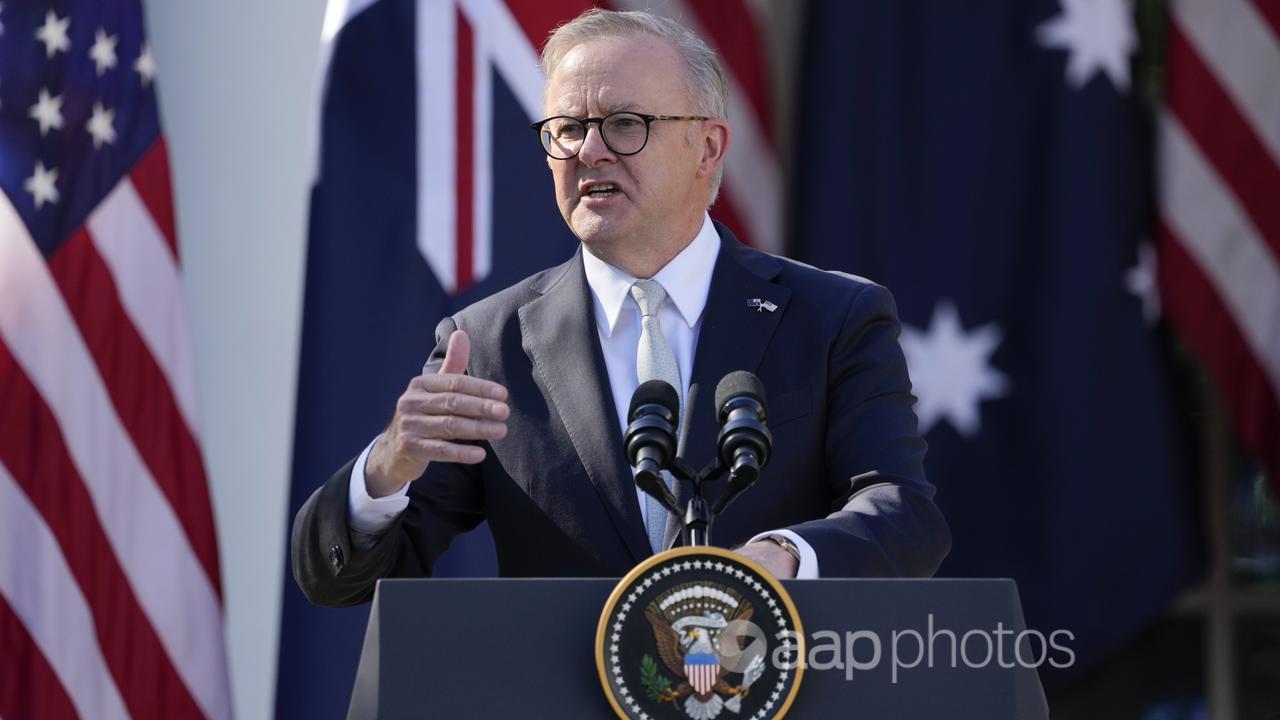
702,677
1219,203
751,197
457,44
109,582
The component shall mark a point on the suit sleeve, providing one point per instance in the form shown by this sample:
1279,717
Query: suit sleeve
884,521
445,501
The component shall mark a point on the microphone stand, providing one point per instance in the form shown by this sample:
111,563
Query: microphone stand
750,451
697,516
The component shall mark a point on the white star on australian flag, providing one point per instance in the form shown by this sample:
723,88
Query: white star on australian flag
951,369
1099,37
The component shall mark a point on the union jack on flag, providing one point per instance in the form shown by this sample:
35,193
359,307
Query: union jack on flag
110,604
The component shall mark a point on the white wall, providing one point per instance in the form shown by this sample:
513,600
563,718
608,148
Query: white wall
236,81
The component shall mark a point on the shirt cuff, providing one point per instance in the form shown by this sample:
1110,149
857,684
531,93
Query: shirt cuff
808,569
370,515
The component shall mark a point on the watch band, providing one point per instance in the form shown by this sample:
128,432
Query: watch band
785,543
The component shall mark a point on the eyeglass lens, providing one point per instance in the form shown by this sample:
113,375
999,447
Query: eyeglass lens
625,133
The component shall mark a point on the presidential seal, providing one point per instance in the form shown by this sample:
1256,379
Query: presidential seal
701,633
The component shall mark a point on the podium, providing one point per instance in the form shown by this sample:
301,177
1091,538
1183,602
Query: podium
452,648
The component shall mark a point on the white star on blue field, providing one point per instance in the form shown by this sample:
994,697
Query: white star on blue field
951,369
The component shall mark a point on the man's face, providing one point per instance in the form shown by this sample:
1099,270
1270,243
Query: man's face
659,192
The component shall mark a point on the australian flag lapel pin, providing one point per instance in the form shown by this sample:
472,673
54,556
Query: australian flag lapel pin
761,305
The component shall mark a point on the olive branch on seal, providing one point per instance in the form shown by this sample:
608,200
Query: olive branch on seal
656,685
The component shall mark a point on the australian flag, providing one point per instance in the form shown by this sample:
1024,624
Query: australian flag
988,161
409,222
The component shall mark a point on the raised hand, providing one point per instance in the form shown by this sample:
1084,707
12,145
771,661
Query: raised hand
435,411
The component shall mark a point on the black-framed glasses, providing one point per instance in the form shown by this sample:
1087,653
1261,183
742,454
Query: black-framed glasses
625,133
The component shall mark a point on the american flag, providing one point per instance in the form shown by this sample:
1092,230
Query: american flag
1219,203
110,605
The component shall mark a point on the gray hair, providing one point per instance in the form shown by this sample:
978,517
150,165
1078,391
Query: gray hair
708,85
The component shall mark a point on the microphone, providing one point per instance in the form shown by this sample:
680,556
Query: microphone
744,443
650,440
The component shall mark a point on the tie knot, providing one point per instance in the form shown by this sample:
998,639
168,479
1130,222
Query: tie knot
649,295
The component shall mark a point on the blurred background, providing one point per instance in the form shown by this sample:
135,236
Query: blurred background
227,231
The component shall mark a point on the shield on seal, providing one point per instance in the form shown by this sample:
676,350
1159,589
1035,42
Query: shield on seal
702,669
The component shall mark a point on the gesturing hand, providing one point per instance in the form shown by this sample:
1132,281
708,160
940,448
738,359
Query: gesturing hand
437,408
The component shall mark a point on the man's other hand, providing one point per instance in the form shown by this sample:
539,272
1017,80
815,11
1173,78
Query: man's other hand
771,557
436,410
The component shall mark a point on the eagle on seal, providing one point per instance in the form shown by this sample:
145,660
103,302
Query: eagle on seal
687,648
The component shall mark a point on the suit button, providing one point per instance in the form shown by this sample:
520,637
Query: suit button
335,557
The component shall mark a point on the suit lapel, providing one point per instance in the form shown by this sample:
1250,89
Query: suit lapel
733,337
560,338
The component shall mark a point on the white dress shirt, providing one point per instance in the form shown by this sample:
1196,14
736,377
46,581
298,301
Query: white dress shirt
687,280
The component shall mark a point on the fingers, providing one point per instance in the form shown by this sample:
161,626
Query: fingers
433,450
458,354
450,378
439,409
452,427
421,402
462,384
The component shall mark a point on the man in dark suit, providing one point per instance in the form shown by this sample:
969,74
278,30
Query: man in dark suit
517,417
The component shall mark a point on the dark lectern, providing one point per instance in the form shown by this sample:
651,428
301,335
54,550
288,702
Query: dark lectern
525,648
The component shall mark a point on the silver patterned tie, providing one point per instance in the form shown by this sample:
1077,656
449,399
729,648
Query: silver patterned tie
655,361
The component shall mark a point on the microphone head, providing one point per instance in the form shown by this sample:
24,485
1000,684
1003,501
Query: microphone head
653,392
740,383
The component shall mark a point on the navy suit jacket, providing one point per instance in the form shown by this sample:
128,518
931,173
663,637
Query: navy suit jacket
846,472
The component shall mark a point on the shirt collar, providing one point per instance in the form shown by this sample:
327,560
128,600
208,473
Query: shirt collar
687,280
